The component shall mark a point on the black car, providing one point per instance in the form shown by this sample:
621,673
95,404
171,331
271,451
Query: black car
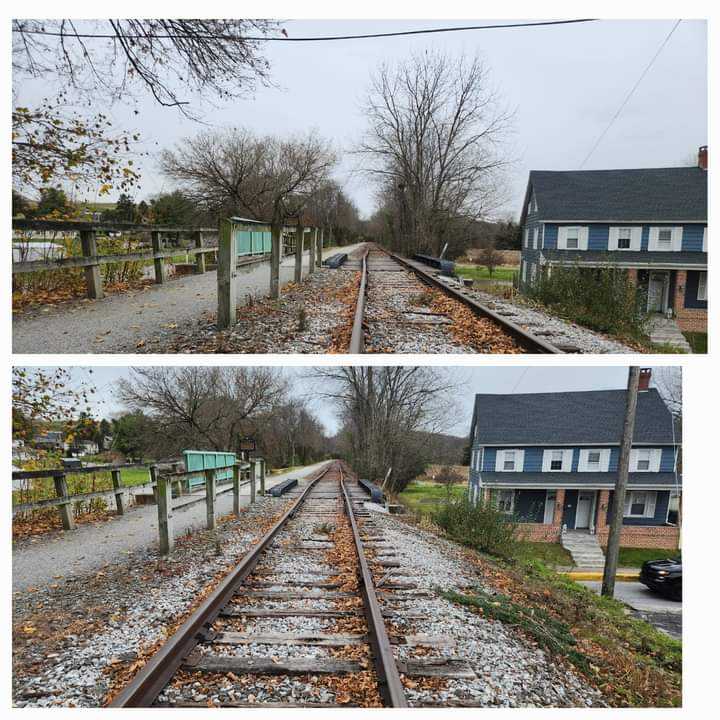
663,576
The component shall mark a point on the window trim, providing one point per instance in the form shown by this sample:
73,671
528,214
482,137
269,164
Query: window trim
635,238
649,504
500,460
583,465
676,237
702,285
654,459
582,237
566,459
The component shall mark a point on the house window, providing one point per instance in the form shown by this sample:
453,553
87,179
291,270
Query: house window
506,501
664,239
640,504
643,460
624,238
702,286
556,460
593,460
572,238
509,460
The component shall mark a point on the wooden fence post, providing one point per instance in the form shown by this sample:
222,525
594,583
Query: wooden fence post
236,489
262,475
93,276
159,263
320,247
164,506
275,259
299,234
226,276
65,510
253,480
200,257
119,492
210,486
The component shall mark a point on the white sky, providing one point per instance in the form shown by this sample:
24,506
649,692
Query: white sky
565,84
468,381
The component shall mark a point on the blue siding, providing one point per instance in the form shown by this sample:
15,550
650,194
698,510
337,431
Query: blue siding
661,508
488,464
530,505
598,235
691,291
667,461
533,460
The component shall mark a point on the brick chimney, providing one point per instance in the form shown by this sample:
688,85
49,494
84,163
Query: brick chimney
702,157
644,382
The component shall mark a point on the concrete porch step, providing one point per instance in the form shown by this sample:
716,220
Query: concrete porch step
664,331
584,549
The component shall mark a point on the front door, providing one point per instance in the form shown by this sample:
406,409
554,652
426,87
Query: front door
657,291
584,508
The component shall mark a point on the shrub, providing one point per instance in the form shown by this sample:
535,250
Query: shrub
604,299
479,526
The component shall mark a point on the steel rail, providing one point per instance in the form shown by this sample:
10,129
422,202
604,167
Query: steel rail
357,339
149,682
523,337
390,684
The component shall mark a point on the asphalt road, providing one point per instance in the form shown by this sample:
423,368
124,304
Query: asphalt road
118,322
666,615
39,561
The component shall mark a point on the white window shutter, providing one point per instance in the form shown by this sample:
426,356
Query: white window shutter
582,463
536,235
562,238
704,245
655,459
636,242
677,236
633,460
650,502
652,238
583,237
605,460
547,457
499,460
613,238
628,502
567,460
520,464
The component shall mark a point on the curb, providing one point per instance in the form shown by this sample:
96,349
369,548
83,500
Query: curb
620,577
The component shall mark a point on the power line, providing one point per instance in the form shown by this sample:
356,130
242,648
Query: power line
631,93
322,38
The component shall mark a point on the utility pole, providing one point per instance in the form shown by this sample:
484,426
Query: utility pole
618,505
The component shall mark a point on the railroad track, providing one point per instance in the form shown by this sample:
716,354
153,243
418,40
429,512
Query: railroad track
297,623
382,271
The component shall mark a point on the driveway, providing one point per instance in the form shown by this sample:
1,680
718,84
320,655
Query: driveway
156,314
665,615
53,558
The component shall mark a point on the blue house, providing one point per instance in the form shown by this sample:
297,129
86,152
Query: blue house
651,222
550,461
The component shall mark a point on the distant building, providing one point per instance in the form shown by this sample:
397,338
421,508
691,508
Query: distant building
550,461
651,222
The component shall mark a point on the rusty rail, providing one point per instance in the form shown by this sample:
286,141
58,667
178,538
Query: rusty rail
144,688
389,682
357,339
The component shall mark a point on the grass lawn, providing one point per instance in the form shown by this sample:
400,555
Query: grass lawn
425,497
480,272
635,557
697,340
548,553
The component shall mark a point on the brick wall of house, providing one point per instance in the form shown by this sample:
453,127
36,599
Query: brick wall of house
666,538
689,319
538,532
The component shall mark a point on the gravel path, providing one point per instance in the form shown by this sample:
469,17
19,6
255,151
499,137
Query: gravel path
563,334
154,315
38,561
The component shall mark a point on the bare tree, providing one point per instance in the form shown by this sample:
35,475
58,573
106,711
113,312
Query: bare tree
668,381
387,413
165,57
434,144
490,257
267,178
203,407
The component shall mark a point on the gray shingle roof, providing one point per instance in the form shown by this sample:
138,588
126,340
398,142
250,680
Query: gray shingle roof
642,259
676,194
594,416
593,480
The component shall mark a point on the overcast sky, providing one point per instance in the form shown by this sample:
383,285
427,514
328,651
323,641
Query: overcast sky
467,380
565,83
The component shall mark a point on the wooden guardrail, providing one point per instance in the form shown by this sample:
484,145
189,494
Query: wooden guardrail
163,483
91,261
